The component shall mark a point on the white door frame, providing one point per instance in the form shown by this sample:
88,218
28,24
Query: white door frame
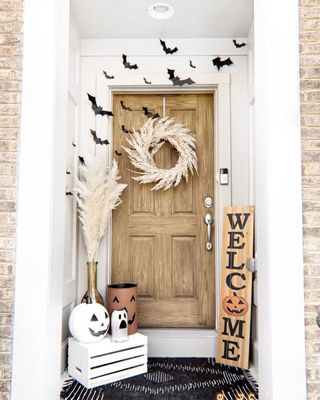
181,342
37,323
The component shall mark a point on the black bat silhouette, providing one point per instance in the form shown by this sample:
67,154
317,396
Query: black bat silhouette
220,63
81,159
149,114
69,193
124,107
98,109
108,76
68,172
125,130
147,82
166,49
97,139
127,64
117,153
74,145
177,81
238,45
191,65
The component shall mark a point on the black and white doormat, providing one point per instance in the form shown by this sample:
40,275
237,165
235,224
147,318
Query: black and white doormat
173,378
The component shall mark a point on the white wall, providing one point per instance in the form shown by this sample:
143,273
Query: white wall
99,55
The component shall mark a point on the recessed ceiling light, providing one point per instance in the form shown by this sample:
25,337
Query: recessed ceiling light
161,11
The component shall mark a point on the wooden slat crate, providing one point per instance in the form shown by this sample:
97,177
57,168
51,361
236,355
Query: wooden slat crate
96,364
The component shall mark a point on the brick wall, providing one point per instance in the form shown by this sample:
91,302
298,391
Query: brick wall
10,87
310,125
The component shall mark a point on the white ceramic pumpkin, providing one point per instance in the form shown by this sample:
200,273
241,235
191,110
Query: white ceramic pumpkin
89,323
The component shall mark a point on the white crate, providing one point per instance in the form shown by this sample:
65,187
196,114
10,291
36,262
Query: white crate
96,364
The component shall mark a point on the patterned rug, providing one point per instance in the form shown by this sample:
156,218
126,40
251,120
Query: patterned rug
174,379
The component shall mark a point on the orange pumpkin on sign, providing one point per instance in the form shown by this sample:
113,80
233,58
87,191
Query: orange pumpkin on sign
235,305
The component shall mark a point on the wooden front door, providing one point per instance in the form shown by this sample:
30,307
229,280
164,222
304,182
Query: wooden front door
159,238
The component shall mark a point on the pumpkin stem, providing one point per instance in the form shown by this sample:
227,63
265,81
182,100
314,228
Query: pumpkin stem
235,294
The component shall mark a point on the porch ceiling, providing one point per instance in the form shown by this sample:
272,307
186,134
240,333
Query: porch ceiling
192,19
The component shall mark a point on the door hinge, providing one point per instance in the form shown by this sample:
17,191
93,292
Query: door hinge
251,264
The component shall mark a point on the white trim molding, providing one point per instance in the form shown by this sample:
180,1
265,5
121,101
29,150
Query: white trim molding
152,47
181,342
219,85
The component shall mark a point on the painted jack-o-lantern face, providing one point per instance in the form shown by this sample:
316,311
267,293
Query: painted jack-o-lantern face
123,296
89,323
235,305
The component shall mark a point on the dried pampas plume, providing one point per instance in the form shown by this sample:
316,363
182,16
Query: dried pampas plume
98,193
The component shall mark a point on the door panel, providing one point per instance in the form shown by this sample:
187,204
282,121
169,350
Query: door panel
159,237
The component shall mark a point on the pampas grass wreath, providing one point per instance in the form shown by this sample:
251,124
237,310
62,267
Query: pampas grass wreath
144,145
97,193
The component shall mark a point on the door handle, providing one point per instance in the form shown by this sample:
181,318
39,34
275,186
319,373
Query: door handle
208,219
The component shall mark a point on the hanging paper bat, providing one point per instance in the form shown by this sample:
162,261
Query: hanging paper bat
125,130
191,65
147,82
97,139
81,159
124,107
177,81
68,172
117,153
127,64
166,49
108,76
68,193
74,145
149,114
238,45
98,109
220,63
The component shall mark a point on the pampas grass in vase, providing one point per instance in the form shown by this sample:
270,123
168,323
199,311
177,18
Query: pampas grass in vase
97,193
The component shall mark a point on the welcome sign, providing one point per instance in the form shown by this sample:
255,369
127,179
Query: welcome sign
235,287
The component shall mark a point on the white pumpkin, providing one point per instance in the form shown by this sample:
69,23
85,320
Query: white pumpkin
89,323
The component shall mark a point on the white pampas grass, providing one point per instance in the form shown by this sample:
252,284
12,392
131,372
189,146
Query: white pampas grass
145,144
97,193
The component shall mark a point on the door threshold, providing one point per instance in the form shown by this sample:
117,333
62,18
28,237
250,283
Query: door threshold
178,342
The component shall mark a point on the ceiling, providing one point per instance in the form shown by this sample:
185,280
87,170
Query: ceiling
192,19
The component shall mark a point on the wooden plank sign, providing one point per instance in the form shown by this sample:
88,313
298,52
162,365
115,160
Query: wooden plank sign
235,287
